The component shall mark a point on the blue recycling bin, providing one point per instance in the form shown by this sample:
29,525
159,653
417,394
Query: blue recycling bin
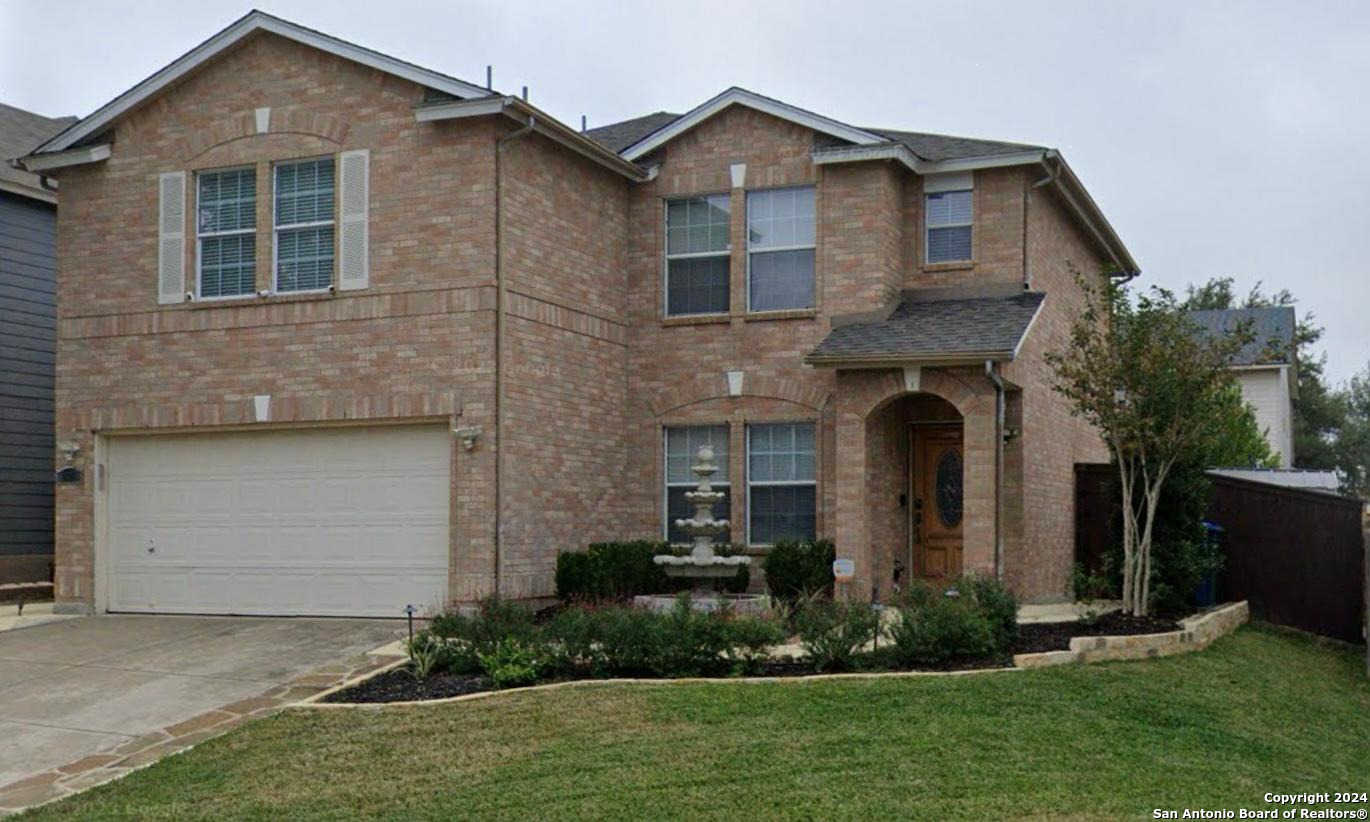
1206,594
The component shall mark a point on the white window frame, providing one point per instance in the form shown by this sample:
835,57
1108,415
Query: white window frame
928,227
667,485
667,256
199,256
277,228
770,249
747,463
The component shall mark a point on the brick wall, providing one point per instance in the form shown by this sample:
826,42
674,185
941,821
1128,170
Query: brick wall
417,344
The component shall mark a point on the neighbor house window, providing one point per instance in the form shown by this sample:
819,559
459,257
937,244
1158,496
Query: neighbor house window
304,225
697,245
780,243
225,230
948,217
682,444
781,500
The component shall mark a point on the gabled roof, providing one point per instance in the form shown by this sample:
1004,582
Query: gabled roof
933,147
940,330
736,96
20,132
250,23
1272,331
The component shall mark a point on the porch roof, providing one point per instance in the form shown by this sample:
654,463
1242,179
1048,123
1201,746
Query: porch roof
934,330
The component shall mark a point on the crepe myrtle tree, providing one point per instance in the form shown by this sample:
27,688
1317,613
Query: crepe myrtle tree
1157,390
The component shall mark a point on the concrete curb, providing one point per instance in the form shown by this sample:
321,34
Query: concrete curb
1195,634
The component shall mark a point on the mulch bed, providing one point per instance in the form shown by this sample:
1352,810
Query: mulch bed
28,594
1039,637
399,685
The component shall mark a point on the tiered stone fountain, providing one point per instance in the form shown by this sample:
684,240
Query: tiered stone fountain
702,563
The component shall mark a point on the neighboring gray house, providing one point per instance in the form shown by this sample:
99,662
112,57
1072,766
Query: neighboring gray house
28,324
1266,368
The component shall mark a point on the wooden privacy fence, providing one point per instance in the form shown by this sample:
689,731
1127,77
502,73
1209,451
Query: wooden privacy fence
1297,556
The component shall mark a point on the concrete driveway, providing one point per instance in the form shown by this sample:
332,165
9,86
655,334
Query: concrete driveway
99,685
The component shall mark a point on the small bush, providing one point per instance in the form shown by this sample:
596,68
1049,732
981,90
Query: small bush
749,642
933,628
428,655
833,633
623,570
796,570
994,601
513,663
466,636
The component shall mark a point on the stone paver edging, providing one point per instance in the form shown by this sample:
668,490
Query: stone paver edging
1196,633
134,754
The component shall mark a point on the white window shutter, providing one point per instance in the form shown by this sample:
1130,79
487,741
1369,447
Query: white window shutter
171,238
354,247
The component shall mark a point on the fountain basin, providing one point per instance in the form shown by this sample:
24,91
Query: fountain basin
742,604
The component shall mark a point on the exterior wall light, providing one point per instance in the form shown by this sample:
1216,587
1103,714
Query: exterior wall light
468,435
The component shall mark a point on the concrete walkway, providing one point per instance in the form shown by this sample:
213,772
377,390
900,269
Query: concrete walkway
85,700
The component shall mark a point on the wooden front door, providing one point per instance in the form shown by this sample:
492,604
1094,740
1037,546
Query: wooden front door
937,465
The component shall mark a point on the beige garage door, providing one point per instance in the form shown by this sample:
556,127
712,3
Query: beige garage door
338,522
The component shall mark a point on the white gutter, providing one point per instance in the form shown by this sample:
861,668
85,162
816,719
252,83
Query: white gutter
545,125
71,157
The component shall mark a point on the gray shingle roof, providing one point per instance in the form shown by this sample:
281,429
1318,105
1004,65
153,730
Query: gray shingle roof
618,136
21,132
945,329
946,147
1272,330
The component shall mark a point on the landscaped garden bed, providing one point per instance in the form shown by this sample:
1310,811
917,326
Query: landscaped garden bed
594,634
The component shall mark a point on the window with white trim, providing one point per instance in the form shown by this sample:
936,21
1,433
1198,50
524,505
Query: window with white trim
780,249
304,205
782,502
948,217
697,255
682,444
226,232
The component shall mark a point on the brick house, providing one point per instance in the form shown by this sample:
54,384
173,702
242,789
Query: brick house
338,334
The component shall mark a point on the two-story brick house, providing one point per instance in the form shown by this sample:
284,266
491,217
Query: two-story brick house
338,334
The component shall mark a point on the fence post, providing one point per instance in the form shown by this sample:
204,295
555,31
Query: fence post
1365,591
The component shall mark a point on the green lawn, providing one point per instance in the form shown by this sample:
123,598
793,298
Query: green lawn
1260,711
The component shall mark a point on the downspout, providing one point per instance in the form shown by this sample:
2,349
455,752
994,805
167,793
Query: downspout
499,342
992,372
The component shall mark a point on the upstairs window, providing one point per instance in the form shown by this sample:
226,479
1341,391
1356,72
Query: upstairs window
304,225
780,246
682,444
226,232
948,217
782,502
697,255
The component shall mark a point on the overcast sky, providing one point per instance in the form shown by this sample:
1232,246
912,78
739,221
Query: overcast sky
1219,138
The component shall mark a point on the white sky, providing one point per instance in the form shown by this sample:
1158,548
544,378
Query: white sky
1220,138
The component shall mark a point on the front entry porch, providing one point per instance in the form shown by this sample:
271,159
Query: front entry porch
917,476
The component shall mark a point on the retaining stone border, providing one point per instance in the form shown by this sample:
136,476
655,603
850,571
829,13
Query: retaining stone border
1196,633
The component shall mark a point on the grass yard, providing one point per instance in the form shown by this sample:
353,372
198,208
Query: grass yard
1260,711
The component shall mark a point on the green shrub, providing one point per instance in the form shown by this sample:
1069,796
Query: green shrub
467,636
623,570
749,642
994,601
833,633
428,655
513,663
932,628
796,570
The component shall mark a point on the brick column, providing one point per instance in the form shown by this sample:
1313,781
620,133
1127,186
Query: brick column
978,516
852,531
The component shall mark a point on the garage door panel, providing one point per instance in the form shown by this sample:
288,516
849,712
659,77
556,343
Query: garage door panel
336,522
